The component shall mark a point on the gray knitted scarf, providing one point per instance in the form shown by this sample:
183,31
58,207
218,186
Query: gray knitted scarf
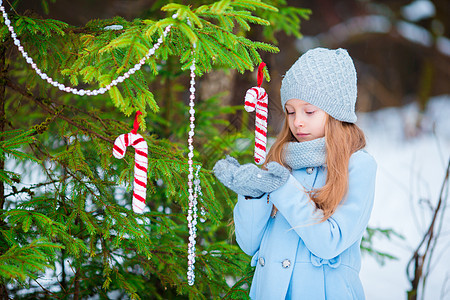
305,154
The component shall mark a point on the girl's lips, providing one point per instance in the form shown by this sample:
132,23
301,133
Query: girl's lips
302,134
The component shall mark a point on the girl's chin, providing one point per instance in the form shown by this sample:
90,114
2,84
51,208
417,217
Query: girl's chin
305,138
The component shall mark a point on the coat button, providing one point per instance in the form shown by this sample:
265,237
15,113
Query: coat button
309,170
286,263
261,261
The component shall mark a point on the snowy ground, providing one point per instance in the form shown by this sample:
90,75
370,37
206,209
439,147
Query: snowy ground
411,170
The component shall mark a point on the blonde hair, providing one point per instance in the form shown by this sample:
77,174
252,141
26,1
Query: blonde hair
342,139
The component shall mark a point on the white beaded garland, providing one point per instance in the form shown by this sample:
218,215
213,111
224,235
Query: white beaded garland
192,222
193,193
75,91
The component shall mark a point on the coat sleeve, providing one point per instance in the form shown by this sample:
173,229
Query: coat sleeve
250,220
346,226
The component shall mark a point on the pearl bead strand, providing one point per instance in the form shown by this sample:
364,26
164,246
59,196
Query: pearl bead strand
81,92
192,211
192,223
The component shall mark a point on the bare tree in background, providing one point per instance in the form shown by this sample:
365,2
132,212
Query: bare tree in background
418,267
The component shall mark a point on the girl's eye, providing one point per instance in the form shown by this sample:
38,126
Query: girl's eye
290,112
310,112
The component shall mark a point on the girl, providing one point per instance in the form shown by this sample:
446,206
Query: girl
302,217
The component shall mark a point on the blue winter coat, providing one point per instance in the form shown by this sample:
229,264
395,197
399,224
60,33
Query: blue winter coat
297,256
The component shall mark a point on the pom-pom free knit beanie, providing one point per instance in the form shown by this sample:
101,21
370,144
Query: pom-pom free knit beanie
325,78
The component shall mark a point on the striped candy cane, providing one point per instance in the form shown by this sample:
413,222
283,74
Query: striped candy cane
140,164
256,99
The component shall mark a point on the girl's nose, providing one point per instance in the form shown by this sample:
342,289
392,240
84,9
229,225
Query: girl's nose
298,122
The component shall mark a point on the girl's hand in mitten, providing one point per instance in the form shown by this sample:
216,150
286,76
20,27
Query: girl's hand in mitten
248,179
224,170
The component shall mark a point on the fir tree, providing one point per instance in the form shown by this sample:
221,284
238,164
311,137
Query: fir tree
67,230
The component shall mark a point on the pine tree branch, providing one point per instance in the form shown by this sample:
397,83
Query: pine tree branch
86,30
91,115
91,191
3,69
29,190
3,288
47,292
54,110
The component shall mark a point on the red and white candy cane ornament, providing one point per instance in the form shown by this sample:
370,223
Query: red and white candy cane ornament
256,99
140,162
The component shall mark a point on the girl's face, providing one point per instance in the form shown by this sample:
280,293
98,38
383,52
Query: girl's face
306,121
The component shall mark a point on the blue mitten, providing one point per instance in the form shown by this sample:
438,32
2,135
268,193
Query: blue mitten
248,179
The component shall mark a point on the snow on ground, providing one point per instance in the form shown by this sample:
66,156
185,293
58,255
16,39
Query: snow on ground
411,169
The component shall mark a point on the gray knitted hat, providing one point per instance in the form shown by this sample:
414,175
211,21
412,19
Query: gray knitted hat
325,78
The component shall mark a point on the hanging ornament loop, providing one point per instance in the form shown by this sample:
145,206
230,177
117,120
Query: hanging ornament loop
260,76
256,99
136,122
